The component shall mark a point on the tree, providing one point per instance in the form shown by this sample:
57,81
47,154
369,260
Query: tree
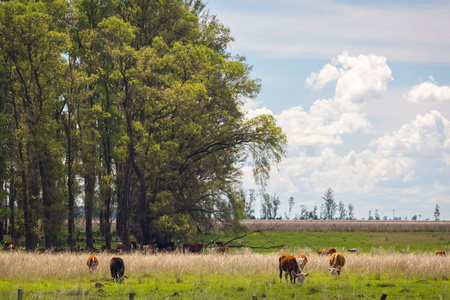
377,216
342,211
291,205
303,213
437,213
330,204
135,105
350,211
249,206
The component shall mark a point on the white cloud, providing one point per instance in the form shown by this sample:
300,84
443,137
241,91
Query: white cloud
361,76
428,92
426,136
408,164
327,74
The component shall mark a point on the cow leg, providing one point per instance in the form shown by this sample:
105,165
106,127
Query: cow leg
281,274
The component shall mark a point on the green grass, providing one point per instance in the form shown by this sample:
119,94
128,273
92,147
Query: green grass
212,276
364,241
192,286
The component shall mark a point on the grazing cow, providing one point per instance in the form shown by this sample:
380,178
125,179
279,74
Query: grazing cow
149,248
302,261
92,263
289,265
223,250
7,244
193,247
133,245
121,246
117,268
166,247
337,261
322,252
104,248
441,253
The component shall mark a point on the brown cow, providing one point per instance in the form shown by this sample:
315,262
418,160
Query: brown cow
302,261
149,249
223,250
193,247
92,263
121,246
104,248
289,265
441,253
337,261
331,251
322,252
117,268
7,244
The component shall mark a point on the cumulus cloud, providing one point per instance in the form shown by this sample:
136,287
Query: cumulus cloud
319,80
426,136
357,77
408,164
429,91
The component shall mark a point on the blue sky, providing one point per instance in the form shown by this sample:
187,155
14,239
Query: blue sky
362,91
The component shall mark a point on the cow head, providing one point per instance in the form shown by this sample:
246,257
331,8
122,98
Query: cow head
301,277
335,272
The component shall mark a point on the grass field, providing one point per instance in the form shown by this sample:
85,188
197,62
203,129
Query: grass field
377,268
236,276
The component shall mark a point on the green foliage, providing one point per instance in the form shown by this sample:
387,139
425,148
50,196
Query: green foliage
135,105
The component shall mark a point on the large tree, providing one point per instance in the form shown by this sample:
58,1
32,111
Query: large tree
136,103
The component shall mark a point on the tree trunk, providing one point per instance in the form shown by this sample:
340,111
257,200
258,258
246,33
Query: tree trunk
89,187
49,224
12,210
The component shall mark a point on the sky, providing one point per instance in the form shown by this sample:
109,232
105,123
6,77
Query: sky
362,91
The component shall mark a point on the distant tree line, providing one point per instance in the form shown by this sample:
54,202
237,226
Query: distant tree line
130,109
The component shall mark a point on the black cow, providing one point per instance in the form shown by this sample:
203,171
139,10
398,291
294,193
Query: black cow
166,247
117,268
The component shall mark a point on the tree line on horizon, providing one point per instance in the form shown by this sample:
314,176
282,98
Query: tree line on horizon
329,209
128,107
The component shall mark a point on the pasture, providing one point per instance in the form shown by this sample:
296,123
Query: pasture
239,275
251,269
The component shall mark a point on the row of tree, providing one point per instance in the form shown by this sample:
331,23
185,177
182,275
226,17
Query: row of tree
131,108
329,210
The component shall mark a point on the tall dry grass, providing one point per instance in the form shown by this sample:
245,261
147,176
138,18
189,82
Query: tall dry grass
347,225
22,265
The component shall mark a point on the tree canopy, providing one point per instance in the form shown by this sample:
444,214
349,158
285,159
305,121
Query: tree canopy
128,107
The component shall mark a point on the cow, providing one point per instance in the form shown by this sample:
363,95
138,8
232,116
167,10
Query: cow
223,250
337,261
302,261
121,246
149,249
104,248
289,264
166,247
7,244
193,247
133,245
331,251
322,252
117,268
441,253
92,263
